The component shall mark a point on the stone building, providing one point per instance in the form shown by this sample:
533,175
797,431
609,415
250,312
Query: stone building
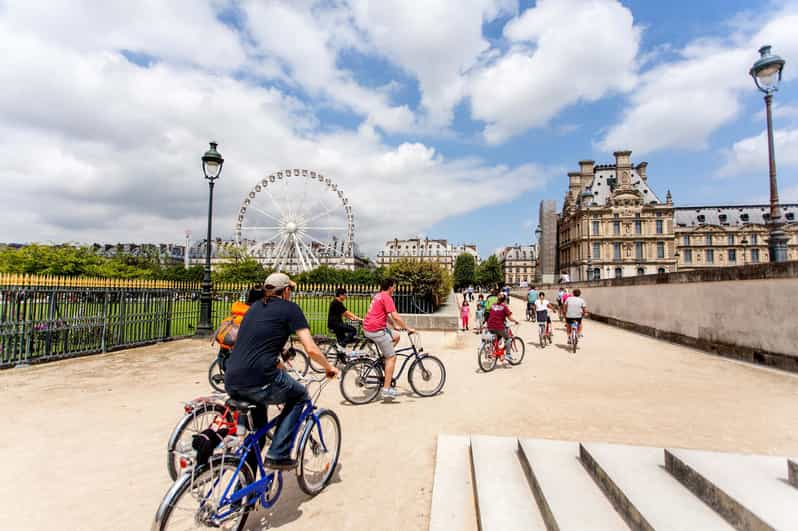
722,236
424,250
613,224
518,264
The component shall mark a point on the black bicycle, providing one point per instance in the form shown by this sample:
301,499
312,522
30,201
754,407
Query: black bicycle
293,357
340,356
363,378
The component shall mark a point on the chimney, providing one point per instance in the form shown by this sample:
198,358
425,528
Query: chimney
586,168
623,160
641,171
574,183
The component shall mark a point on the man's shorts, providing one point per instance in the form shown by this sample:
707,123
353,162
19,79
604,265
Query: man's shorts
542,315
573,320
384,341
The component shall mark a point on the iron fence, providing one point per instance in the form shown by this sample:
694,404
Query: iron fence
46,318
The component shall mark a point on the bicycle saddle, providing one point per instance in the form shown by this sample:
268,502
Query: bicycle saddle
240,405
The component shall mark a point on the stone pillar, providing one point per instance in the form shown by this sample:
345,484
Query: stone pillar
574,184
546,271
623,160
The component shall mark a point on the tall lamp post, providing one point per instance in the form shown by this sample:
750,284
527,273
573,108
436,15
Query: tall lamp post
587,200
767,75
212,162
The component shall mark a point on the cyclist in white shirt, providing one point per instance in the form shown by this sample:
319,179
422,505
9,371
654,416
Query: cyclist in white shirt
575,309
542,307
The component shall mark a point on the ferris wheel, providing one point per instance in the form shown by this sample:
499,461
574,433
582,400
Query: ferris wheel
295,220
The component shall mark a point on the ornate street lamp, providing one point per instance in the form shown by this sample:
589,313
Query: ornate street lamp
587,201
744,243
767,75
212,162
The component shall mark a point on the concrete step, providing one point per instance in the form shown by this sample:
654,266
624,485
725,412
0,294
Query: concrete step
452,489
792,472
568,497
646,495
750,491
504,498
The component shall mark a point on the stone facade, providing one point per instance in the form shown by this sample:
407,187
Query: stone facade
722,236
613,224
518,264
424,250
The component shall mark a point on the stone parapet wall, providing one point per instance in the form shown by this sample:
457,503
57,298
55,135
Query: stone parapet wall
447,317
746,313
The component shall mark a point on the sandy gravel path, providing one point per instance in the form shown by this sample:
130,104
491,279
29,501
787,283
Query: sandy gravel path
84,440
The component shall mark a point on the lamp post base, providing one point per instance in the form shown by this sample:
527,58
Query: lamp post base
777,245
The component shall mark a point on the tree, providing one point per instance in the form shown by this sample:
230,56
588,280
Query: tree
465,268
428,279
489,272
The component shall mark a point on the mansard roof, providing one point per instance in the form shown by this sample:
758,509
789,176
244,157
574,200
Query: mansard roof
730,215
605,181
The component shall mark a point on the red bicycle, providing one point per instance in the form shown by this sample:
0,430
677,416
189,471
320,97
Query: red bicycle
491,350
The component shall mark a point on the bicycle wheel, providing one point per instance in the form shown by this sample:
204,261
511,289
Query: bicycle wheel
315,366
427,375
316,462
574,340
179,444
361,381
216,376
297,360
485,357
192,501
517,351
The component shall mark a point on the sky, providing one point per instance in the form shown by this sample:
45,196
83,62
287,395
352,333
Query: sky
443,118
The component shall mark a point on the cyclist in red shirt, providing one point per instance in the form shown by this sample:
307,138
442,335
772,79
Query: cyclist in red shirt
499,313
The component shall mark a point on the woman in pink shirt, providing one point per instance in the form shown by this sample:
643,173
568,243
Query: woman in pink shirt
375,327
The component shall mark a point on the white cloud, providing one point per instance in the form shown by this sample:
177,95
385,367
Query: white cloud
108,150
750,155
680,103
438,54
563,52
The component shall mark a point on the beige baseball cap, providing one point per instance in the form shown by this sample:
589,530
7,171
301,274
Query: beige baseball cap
279,281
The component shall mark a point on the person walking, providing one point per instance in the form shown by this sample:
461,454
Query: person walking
464,312
479,313
375,327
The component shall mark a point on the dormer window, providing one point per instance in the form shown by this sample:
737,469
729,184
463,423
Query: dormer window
744,217
790,216
766,217
723,218
702,218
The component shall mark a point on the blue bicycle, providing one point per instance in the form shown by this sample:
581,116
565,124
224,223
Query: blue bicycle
221,493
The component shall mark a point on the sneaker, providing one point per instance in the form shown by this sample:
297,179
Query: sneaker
508,357
284,463
389,394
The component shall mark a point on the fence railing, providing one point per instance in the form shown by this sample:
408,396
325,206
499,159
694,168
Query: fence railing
48,318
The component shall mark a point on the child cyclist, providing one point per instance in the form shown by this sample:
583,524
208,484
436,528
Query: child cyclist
542,307
499,314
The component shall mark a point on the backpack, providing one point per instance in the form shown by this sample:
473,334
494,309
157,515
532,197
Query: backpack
227,333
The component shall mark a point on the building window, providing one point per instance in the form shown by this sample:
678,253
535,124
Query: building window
618,272
661,271
616,251
731,239
659,225
754,238
710,256
744,217
616,227
595,227
686,239
639,250
596,250
638,227
596,273
702,218
732,255
709,239
660,249
754,256
688,256
641,271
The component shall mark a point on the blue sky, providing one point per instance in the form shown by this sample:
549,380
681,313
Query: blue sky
449,119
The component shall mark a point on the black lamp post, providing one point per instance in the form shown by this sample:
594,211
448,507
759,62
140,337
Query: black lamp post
767,74
587,200
744,243
212,162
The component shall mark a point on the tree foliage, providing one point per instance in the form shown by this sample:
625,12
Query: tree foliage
427,279
465,268
489,272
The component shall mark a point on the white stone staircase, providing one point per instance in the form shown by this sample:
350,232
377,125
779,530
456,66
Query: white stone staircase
506,484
